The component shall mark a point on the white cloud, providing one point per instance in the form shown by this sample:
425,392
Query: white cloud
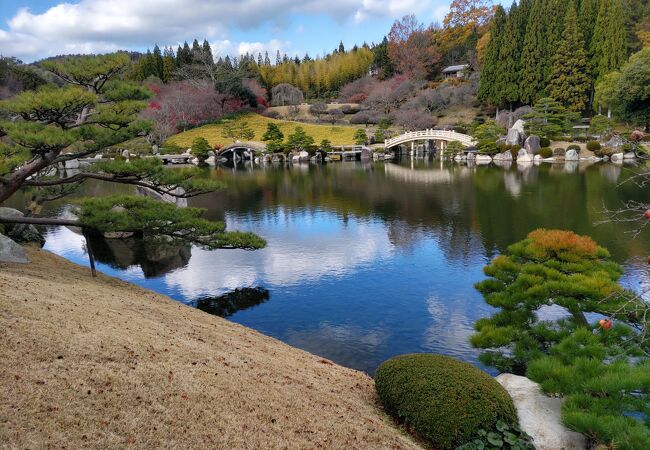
440,12
105,25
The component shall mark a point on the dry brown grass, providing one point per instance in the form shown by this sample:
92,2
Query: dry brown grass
101,363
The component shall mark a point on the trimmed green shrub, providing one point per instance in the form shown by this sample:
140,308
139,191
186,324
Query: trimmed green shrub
443,400
546,152
574,147
544,142
592,146
488,147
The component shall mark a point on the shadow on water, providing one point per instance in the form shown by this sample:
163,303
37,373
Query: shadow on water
228,304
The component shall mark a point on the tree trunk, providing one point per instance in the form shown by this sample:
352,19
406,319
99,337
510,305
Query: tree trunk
16,179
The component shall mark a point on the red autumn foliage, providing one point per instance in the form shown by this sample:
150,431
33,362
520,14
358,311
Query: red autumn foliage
182,104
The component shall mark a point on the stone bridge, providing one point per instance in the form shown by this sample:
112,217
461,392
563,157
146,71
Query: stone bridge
434,135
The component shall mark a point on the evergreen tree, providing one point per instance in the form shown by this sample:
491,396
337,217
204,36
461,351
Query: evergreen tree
207,50
608,44
487,91
169,64
196,50
569,82
267,60
555,14
278,58
507,76
272,133
587,21
382,62
341,47
148,66
158,62
533,80
259,59
187,55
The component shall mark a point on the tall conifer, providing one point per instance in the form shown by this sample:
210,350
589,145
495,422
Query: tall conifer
608,44
569,82
532,80
508,66
487,90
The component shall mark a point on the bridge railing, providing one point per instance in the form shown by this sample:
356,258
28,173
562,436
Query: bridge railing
445,135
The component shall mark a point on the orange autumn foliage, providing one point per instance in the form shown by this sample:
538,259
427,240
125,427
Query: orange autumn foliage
556,242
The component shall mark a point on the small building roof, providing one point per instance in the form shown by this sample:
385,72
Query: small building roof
456,68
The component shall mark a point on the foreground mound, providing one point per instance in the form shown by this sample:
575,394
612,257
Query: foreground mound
444,400
102,363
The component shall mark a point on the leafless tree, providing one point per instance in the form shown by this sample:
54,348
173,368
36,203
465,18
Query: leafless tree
285,94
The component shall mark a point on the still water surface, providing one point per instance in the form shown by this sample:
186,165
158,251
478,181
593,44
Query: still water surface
365,262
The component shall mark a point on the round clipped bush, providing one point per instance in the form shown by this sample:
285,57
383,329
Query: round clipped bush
443,400
593,146
546,152
544,142
574,147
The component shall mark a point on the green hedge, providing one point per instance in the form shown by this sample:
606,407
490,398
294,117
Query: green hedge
444,400
546,152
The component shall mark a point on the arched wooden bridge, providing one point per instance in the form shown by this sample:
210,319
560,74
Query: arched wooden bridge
434,135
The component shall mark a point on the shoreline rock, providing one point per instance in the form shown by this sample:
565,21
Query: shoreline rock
539,415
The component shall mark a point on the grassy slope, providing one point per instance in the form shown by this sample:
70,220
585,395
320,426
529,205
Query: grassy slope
337,134
105,364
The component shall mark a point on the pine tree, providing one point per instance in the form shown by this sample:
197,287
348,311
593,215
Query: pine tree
259,59
487,91
278,58
341,47
569,82
533,80
609,41
267,60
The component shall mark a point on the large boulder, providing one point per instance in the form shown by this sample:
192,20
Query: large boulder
615,143
539,415
519,126
571,155
532,144
10,252
617,157
524,156
514,137
504,156
20,232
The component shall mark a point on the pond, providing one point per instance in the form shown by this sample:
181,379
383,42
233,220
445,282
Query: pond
367,261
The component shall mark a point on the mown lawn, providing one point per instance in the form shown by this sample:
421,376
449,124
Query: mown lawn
337,134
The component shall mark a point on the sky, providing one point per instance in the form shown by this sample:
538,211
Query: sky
33,29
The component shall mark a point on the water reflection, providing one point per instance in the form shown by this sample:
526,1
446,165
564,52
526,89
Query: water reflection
368,261
154,259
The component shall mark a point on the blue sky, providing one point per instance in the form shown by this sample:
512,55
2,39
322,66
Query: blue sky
32,29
